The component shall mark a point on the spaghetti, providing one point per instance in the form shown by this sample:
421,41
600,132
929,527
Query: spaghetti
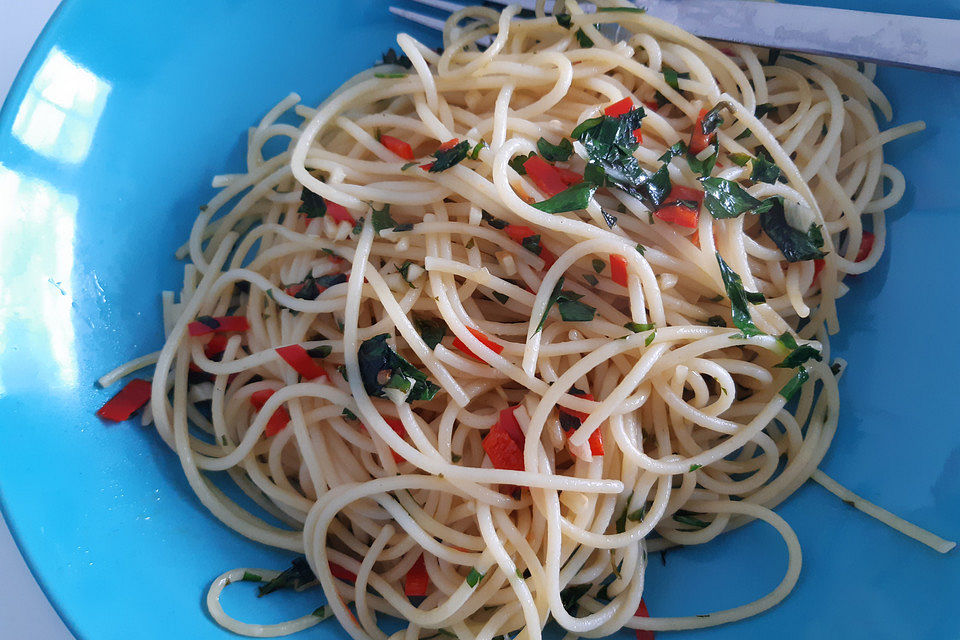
503,319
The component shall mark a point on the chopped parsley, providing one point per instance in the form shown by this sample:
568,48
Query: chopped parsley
599,265
314,206
555,152
381,219
474,577
376,358
569,305
795,245
322,351
738,299
637,327
297,576
447,158
727,199
573,198
764,170
432,330
793,385
475,153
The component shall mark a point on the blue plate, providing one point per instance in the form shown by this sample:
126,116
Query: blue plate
118,119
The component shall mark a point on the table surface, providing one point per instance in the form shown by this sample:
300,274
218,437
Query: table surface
24,610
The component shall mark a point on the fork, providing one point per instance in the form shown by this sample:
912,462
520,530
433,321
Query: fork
926,44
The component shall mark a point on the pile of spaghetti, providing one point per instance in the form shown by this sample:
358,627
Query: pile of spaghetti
503,319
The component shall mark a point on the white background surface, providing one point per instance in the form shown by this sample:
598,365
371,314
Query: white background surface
24,610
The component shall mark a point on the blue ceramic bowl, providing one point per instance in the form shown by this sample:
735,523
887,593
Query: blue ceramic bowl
108,140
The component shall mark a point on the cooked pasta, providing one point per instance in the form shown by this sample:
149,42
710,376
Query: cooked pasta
501,320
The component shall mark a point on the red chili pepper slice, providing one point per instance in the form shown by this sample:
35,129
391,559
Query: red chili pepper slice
503,452
398,146
417,580
508,422
449,144
298,358
544,175
401,431
132,397
618,269
698,139
339,213
643,634
866,246
493,346
619,108
204,325
342,573
280,418
596,440
569,177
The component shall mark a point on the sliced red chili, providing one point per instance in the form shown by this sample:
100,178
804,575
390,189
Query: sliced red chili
644,634
544,175
131,398
698,139
818,266
503,452
569,177
493,346
205,324
417,580
342,573
401,431
618,269
619,108
216,345
298,358
866,246
596,440
398,146
280,418
449,144
679,215
339,213
508,422
518,232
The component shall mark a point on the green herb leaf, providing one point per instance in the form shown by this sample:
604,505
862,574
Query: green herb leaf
381,219
432,330
638,515
313,205
573,198
764,170
746,134
740,159
358,228
650,338
322,351
711,119
346,413
297,576
795,245
532,244
591,279
583,39
716,321
390,57
637,327
678,149
554,295
501,297
738,299
376,356
572,310
727,199
572,594
703,167
688,519
799,356
793,385
671,77
763,109
408,165
324,612
450,157
555,152
608,217
641,249
564,20
456,458
599,265
390,75
251,577
474,577
476,149
516,163
496,223
694,467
